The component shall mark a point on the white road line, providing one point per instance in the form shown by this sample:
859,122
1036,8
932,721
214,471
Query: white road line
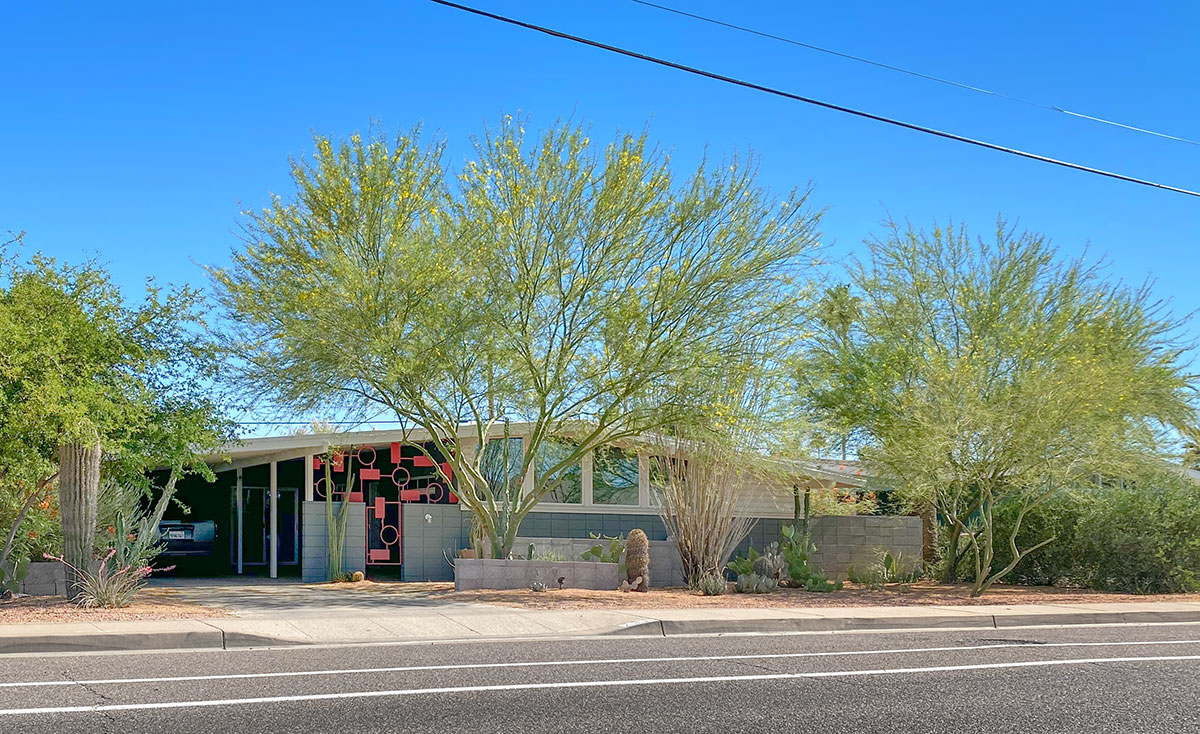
609,661
577,684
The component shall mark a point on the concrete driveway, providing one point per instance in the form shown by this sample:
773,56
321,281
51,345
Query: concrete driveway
257,597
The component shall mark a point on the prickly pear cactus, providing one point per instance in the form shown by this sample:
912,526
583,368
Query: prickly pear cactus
753,583
637,560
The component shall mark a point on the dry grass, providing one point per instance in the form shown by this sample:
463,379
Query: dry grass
922,594
149,604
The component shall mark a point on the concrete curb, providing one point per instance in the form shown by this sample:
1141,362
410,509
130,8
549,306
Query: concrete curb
113,641
197,634
783,625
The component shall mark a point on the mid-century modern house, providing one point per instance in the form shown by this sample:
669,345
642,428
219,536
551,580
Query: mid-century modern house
269,508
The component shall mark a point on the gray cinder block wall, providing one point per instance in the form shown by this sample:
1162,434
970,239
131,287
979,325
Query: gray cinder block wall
314,548
665,567
426,544
45,578
474,573
858,540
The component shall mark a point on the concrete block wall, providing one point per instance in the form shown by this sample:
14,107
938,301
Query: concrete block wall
473,573
45,578
314,548
858,540
850,540
426,544
581,524
665,566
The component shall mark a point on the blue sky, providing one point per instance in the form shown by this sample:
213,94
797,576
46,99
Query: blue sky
136,132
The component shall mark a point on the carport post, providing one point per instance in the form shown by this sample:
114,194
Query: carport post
240,539
274,544
308,477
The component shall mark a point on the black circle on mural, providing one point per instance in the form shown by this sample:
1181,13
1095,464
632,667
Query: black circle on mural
361,459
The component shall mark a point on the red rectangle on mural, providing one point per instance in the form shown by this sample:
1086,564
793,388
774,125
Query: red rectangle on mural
356,496
448,472
316,462
378,555
422,460
339,462
379,507
411,495
370,474
453,498
395,453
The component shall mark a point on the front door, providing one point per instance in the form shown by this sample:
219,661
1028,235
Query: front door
256,528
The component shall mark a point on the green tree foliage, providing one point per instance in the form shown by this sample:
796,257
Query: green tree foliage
989,374
583,288
1191,447
77,362
1139,535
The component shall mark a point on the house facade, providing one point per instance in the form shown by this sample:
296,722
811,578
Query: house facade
270,513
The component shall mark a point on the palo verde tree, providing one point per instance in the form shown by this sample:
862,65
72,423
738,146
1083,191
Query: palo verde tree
991,373
90,384
552,281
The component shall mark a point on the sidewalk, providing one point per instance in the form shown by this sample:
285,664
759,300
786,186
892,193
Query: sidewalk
480,622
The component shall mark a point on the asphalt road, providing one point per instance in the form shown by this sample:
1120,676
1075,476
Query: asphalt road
1098,679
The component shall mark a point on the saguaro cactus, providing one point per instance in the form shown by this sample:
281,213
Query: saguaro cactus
637,560
78,493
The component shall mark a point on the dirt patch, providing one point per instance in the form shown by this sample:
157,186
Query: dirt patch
405,588
149,604
921,594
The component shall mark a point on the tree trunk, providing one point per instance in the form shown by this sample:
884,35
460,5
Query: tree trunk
950,570
78,493
929,533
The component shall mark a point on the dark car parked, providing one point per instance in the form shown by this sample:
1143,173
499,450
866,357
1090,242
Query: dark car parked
187,538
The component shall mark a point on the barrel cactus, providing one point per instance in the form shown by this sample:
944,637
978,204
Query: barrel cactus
637,560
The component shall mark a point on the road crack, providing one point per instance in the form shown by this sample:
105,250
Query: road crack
100,700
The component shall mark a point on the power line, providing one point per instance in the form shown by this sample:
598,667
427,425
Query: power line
910,72
304,423
809,100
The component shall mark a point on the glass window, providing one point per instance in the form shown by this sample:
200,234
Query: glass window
614,477
665,473
501,466
562,483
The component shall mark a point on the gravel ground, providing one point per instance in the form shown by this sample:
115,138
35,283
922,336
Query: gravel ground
149,604
921,594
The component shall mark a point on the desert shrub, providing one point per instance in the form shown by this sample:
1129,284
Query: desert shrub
1139,537
1142,539
712,584
797,550
755,584
112,586
886,568
1056,563
743,565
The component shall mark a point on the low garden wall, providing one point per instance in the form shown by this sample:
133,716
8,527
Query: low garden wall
475,573
45,578
665,567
